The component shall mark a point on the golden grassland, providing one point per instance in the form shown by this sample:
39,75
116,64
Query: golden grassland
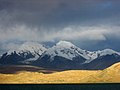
109,75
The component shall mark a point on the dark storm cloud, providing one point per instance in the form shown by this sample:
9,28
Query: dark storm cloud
50,12
87,23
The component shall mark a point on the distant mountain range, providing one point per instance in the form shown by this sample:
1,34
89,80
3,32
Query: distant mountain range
63,55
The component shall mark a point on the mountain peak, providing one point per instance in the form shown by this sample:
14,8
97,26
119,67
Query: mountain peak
64,44
32,47
107,52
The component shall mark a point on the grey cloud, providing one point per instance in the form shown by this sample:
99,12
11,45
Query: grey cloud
82,33
85,37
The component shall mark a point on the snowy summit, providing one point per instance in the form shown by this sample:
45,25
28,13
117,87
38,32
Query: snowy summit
31,47
64,44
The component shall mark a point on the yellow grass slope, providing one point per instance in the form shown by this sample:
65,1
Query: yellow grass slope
109,75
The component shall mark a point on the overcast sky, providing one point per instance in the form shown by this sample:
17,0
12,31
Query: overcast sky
89,24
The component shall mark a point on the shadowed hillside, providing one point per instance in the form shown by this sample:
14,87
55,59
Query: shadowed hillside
13,69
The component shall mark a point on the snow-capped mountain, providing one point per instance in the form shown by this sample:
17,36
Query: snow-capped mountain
27,52
107,52
96,54
32,47
69,51
105,59
66,55
63,55
65,49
